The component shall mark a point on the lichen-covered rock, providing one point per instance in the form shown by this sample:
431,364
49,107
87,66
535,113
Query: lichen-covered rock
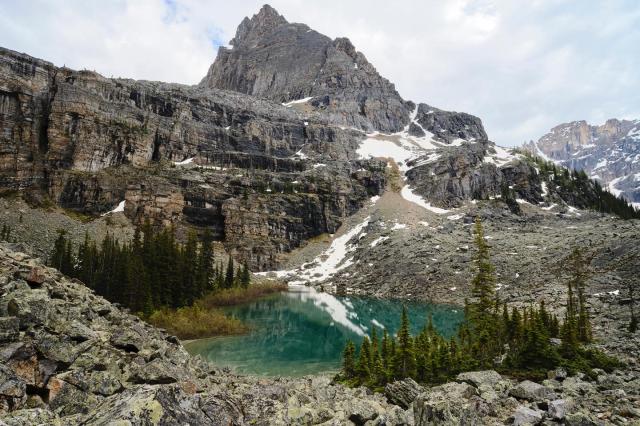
446,404
488,378
559,408
525,416
403,392
532,391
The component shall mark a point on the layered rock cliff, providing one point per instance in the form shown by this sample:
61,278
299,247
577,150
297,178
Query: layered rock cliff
254,172
609,152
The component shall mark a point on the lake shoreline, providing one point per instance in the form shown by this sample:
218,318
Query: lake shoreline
303,332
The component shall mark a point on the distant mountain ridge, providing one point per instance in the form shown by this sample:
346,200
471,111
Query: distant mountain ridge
609,152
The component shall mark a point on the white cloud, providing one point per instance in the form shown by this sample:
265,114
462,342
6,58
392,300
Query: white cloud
522,67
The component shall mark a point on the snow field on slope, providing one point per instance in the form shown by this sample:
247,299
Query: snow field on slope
328,263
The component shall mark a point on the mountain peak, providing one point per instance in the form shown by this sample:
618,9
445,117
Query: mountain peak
250,31
282,61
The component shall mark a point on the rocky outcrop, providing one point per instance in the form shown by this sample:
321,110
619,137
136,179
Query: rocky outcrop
284,61
466,172
609,152
447,126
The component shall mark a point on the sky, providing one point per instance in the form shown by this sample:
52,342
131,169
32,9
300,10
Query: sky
522,66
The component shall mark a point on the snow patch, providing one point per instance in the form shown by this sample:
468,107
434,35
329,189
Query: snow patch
378,241
339,311
298,101
119,208
409,195
328,263
184,162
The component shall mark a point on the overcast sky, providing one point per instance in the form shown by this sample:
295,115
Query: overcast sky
522,66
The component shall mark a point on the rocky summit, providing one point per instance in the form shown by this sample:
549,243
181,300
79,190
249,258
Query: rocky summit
306,165
291,63
609,153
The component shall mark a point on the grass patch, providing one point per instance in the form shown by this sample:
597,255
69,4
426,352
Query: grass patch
238,295
196,322
80,217
204,319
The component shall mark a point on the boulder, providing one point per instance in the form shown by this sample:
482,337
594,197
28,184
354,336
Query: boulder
36,277
479,378
12,390
532,391
525,416
360,412
34,416
576,387
149,404
580,419
559,408
558,374
446,404
31,307
9,329
403,392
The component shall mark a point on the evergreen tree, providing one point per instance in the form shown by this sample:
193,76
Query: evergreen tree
363,368
482,320
230,276
245,276
348,360
405,359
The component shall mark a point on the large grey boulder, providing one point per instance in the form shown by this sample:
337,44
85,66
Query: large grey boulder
446,404
532,391
403,392
559,408
480,378
525,416
150,404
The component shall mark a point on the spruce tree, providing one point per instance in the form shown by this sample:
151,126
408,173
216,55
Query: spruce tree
348,360
245,276
230,276
405,359
482,321
363,368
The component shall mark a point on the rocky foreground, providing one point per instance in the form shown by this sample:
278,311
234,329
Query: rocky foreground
70,357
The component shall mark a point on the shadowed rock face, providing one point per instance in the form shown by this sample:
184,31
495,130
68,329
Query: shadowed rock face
284,61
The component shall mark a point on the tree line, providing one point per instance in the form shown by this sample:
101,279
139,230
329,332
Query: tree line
154,270
525,342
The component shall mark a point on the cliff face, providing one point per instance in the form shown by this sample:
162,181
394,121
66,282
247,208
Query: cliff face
284,61
255,171
610,152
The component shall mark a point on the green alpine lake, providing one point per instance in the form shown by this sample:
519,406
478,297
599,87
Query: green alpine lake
303,331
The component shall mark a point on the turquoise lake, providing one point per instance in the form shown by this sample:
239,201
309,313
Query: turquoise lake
303,332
